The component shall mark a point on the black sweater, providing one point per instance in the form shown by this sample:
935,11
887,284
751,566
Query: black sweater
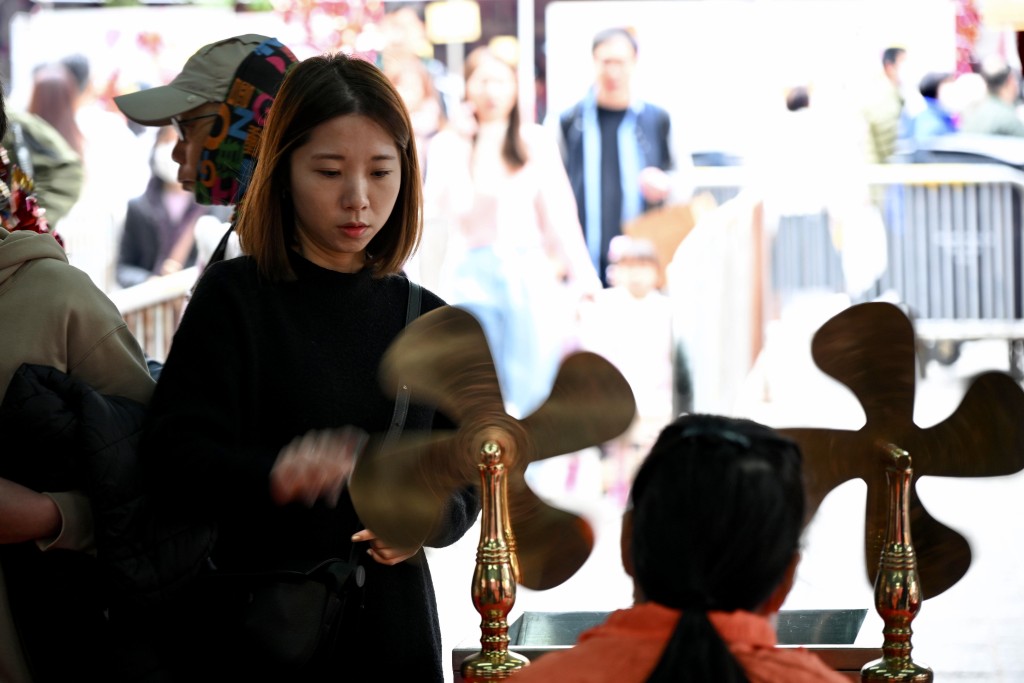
255,364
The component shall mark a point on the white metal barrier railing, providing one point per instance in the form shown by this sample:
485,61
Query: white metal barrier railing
953,234
954,239
954,258
153,309
954,243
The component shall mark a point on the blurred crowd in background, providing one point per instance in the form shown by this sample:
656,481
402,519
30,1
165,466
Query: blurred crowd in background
506,230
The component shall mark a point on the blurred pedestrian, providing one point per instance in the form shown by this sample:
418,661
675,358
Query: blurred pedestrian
630,324
884,110
996,114
159,227
622,154
44,155
409,74
114,171
936,119
514,256
53,100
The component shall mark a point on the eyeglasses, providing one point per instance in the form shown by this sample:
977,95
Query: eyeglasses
180,126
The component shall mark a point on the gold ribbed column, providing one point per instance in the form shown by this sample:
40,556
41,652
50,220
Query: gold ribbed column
897,585
494,580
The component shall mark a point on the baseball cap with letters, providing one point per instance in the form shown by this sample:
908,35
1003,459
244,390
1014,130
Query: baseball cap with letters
206,77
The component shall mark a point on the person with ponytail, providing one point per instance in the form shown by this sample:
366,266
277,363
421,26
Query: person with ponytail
711,539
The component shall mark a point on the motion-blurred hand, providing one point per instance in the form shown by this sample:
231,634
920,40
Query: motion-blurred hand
316,465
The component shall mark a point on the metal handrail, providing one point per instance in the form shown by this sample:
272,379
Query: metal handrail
153,309
875,174
954,241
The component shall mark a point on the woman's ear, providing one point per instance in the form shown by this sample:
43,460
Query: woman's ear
626,543
626,551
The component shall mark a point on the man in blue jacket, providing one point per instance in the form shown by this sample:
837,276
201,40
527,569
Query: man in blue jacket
619,151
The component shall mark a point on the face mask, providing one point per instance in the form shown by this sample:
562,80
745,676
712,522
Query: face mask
164,167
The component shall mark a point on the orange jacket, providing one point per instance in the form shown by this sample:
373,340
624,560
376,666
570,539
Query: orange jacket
626,648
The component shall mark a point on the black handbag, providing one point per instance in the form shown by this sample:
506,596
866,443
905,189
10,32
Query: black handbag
281,618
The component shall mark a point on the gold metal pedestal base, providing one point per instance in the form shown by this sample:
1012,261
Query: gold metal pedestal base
491,666
881,672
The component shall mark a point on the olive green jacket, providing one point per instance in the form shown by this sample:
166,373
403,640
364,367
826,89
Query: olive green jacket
55,168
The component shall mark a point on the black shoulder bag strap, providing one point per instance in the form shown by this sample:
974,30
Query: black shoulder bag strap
221,249
402,393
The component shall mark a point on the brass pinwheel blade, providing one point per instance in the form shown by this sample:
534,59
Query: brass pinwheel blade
828,460
590,403
399,489
551,544
943,554
984,437
444,358
870,349
832,457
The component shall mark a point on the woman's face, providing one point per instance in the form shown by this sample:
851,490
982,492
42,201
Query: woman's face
344,184
491,89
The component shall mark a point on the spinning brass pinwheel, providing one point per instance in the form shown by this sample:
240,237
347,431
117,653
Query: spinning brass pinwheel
870,349
444,360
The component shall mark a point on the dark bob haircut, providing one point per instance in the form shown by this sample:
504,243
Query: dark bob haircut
314,91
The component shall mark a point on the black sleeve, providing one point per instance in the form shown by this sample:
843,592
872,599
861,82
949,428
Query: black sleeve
194,447
459,515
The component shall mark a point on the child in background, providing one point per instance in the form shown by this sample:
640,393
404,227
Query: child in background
629,323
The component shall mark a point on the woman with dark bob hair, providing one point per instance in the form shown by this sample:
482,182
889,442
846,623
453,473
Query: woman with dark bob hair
271,385
711,538
324,89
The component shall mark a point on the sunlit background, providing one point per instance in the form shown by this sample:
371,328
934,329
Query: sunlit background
722,69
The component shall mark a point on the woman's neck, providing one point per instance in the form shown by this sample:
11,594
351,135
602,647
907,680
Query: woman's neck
488,159
491,130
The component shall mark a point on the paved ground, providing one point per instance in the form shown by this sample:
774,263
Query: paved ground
973,632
